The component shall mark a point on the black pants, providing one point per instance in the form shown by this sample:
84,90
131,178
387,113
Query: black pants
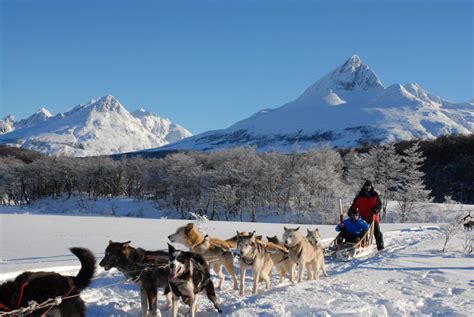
349,237
378,235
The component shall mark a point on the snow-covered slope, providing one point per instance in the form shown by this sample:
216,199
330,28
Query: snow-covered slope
99,127
347,107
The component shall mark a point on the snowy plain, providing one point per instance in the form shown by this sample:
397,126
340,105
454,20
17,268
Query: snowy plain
411,277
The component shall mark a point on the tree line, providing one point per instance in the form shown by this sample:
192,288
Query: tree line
227,184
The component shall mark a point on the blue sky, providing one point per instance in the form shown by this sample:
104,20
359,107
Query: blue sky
207,64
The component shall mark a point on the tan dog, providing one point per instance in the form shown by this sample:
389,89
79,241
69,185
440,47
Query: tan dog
314,237
300,252
212,250
253,254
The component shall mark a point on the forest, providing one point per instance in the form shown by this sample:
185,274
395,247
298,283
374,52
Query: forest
227,184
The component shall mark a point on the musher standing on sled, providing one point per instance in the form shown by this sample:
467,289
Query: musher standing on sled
368,203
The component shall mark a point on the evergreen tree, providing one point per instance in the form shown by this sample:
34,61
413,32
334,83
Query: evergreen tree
411,188
386,168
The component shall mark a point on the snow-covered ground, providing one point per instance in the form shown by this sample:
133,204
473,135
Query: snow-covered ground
411,277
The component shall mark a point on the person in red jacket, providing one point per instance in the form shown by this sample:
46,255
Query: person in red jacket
368,203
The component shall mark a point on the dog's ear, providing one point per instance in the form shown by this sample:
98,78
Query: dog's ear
259,237
238,233
308,230
126,244
297,229
206,237
252,235
171,249
285,228
110,242
189,227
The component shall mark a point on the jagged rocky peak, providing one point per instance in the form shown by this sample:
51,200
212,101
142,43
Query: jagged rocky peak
43,113
352,75
9,118
107,103
39,116
6,125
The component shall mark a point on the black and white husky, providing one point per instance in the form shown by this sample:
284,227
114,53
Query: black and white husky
189,275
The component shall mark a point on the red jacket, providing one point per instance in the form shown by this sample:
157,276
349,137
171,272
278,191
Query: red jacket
368,204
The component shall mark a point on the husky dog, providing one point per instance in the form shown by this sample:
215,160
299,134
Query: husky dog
189,275
190,237
253,254
149,269
300,252
41,286
314,237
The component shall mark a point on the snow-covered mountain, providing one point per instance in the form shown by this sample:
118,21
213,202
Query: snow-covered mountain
7,124
347,107
100,127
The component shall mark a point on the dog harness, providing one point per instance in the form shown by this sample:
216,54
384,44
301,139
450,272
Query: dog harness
299,254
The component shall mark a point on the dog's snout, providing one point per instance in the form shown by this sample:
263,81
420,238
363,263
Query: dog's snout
172,265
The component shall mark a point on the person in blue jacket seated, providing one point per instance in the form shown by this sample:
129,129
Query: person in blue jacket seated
352,229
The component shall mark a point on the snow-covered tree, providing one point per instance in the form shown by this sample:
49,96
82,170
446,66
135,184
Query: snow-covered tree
411,188
386,168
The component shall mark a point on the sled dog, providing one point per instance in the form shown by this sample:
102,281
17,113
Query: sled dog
253,254
149,269
314,237
190,237
41,286
189,275
300,252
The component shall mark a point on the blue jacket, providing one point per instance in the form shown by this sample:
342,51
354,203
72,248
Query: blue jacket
354,227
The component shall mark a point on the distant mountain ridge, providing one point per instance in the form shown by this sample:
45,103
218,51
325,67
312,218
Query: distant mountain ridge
99,127
346,108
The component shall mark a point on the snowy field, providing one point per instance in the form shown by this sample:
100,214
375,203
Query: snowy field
411,277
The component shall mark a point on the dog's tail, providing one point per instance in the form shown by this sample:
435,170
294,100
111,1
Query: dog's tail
83,278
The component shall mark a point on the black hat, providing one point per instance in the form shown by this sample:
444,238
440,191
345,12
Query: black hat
353,212
367,183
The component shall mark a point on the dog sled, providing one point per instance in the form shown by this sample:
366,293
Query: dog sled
347,251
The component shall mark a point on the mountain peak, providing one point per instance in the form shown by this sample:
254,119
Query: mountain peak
107,103
352,63
352,75
44,112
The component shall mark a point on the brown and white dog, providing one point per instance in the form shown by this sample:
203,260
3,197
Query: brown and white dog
41,286
314,237
214,250
253,254
300,252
